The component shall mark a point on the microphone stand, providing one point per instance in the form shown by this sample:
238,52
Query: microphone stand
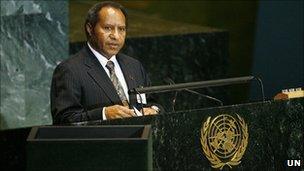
196,85
171,82
206,96
192,85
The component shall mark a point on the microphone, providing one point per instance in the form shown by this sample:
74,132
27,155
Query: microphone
170,81
261,86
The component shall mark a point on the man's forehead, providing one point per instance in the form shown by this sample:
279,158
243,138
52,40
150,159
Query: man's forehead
110,11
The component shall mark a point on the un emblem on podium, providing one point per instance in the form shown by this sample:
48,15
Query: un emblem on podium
224,140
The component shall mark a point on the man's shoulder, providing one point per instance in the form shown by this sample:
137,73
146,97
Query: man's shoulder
73,61
127,58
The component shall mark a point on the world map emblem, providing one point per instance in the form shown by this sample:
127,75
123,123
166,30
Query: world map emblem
224,140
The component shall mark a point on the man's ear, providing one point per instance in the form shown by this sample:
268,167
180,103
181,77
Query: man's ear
89,29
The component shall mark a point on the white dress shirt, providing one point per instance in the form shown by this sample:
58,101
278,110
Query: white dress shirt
103,61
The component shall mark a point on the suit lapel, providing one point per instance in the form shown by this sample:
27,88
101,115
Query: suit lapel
97,73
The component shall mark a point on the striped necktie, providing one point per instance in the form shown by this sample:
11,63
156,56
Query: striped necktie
117,84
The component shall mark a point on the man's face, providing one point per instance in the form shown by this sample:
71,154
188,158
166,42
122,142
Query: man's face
109,34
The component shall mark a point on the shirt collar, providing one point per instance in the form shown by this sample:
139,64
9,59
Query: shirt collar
101,58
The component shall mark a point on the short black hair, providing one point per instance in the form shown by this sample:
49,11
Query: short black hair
92,15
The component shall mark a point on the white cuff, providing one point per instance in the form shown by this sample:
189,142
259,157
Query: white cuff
104,114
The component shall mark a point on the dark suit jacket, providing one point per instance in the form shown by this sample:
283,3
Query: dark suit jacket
81,88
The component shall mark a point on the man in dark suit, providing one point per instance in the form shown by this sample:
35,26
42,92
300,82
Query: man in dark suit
93,84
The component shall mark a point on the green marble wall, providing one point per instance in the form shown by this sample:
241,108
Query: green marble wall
34,38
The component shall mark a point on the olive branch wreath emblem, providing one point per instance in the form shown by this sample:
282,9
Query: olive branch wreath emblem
215,160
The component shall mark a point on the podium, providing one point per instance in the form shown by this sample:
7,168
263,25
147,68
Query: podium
90,148
275,135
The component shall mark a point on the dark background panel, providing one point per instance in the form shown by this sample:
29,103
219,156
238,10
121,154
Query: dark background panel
278,52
